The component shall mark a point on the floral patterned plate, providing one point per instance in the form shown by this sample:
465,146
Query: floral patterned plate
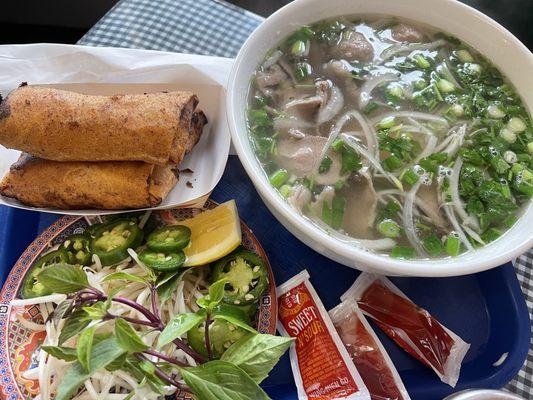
20,346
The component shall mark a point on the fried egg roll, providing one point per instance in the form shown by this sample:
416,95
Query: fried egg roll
61,125
73,185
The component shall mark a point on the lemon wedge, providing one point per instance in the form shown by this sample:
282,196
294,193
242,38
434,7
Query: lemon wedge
214,234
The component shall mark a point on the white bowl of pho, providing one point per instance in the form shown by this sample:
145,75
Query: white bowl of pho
390,137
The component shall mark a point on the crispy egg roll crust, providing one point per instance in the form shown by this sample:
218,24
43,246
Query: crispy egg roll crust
76,185
67,126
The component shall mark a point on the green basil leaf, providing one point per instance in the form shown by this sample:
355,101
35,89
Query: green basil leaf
118,363
97,311
233,320
100,337
221,380
127,337
257,354
215,296
125,276
102,355
73,325
62,353
63,278
84,347
216,291
63,310
178,325
168,284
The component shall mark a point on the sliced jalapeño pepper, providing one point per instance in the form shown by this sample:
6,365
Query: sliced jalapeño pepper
246,276
170,238
111,241
222,334
162,262
31,287
77,247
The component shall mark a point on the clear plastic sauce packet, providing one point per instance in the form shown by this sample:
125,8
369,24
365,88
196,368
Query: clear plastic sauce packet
321,365
370,358
410,326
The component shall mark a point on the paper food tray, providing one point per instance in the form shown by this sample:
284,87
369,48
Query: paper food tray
100,70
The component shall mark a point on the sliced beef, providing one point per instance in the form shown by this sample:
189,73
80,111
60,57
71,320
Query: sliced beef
301,158
353,46
406,33
271,77
428,203
360,210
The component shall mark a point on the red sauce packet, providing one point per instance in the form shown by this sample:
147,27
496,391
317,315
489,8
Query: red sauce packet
372,361
321,365
411,327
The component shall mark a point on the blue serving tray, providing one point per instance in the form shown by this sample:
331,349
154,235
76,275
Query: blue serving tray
486,309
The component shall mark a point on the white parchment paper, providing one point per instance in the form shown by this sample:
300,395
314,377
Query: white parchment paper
101,70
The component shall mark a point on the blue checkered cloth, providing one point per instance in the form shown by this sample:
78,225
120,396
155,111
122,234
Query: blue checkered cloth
187,26
217,28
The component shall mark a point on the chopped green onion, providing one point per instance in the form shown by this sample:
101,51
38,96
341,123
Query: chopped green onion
464,56
508,135
395,90
499,164
421,84
370,107
410,177
524,182
506,190
403,252
495,112
392,207
391,163
303,70
386,123
516,125
472,68
510,157
337,205
278,178
334,216
453,245
530,147
389,228
433,245
457,110
509,221
339,184
421,61
325,165
428,97
299,48
491,234
285,191
445,86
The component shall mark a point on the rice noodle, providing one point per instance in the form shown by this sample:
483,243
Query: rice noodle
456,141
408,221
427,151
408,48
331,107
371,84
273,59
410,114
473,234
370,136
